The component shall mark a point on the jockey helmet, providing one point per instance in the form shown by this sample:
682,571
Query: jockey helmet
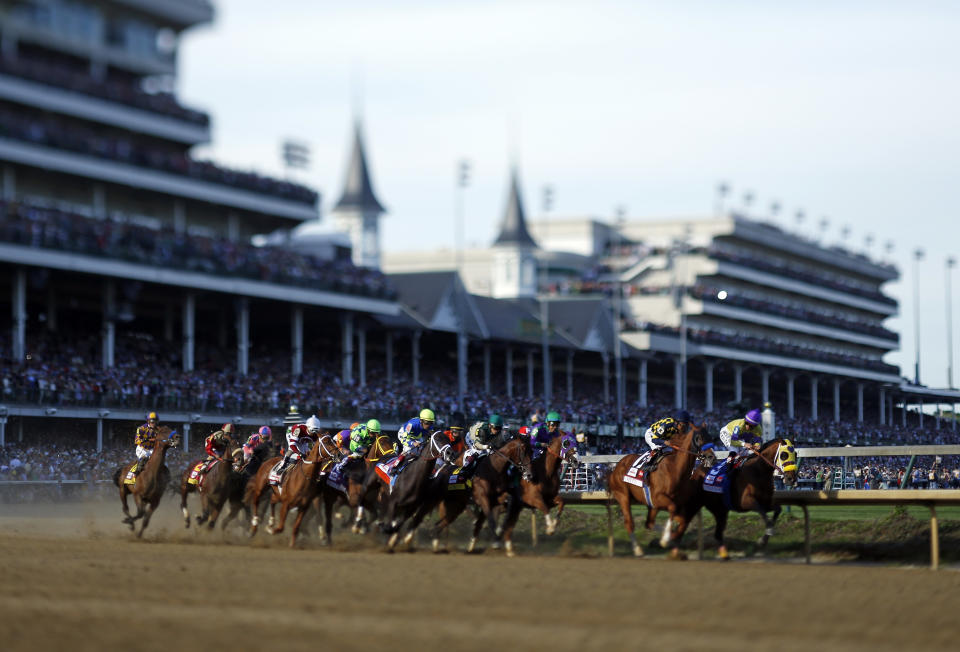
534,418
495,420
426,414
313,425
682,416
227,428
152,417
264,431
553,416
457,420
753,417
373,425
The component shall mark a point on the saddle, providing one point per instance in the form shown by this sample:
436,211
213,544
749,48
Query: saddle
131,475
275,477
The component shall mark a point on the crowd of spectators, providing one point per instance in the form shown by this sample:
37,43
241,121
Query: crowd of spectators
77,79
62,134
51,228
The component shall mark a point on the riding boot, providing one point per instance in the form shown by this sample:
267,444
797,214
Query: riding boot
400,460
140,464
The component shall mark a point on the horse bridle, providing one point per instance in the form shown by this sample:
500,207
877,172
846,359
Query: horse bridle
520,465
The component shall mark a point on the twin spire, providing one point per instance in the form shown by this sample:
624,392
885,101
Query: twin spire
513,227
358,194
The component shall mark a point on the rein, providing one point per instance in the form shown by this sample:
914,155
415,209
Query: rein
519,465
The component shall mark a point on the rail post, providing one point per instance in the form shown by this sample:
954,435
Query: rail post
934,539
806,532
533,529
609,530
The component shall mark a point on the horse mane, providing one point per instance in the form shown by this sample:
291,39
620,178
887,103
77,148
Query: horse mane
768,444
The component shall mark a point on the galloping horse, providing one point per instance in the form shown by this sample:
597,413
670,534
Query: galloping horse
358,491
543,491
300,485
221,483
666,487
751,490
405,501
492,486
150,484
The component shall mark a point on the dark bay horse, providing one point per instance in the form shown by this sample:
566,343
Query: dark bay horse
150,484
543,491
669,488
751,490
404,504
221,483
300,485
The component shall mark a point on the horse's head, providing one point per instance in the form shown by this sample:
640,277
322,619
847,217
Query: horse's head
520,453
167,437
784,459
568,453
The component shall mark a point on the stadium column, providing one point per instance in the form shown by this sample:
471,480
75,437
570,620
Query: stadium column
463,360
100,435
883,406
677,383
486,368
51,310
388,347
296,340
708,383
243,335
920,415
606,376
346,345
362,356
836,400
791,378
186,437
3,430
738,383
19,301
642,389
765,385
530,373
416,356
860,402
168,322
108,337
189,324
179,216
9,183
814,382
509,369
570,375
99,200
233,227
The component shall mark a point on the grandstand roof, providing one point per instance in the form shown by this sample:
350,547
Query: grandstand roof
513,228
438,300
358,189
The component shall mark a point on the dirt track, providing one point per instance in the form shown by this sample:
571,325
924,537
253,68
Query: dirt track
75,576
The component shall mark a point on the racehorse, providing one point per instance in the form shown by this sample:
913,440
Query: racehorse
666,487
543,491
493,485
150,484
358,494
300,485
751,490
405,500
221,483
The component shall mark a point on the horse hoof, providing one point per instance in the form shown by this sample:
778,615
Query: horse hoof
637,551
677,555
496,545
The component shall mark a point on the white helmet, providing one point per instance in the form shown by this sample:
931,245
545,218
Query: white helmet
313,425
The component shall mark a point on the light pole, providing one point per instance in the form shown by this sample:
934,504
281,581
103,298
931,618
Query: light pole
462,181
544,304
681,292
617,312
722,189
951,263
917,257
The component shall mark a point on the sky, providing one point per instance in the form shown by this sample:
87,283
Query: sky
847,111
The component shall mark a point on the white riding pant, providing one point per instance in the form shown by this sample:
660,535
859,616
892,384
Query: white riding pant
143,453
651,442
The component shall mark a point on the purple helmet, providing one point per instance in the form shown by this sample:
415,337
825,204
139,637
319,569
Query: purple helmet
753,417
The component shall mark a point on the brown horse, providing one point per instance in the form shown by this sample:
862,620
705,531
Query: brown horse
493,486
254,490
150,484
751,490
359,494
543,491
222,482
667,487
300,485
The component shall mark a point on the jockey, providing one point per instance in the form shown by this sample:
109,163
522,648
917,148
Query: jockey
361,437
262,436
342,439
299,439
745,433
413,433
146,440
216,444
482,439
659,434
542,434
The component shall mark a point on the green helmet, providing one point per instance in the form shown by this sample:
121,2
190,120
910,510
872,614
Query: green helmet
373,426
553,416
495,420
426,414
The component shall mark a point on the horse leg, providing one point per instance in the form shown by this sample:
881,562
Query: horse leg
214,514
296,526
281,521
184,489
623,499
232,514
147,513
510,522
204,510
126,509
769,522
447,513
673,533
478,520
720,516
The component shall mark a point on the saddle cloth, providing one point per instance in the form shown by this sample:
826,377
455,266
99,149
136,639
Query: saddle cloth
456,483
274,478
131,477
336,480
635,474
196,478
384,469
717,478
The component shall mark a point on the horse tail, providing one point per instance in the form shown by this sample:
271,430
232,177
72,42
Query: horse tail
116,476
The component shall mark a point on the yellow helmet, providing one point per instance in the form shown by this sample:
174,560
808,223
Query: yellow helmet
427,414
152,417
